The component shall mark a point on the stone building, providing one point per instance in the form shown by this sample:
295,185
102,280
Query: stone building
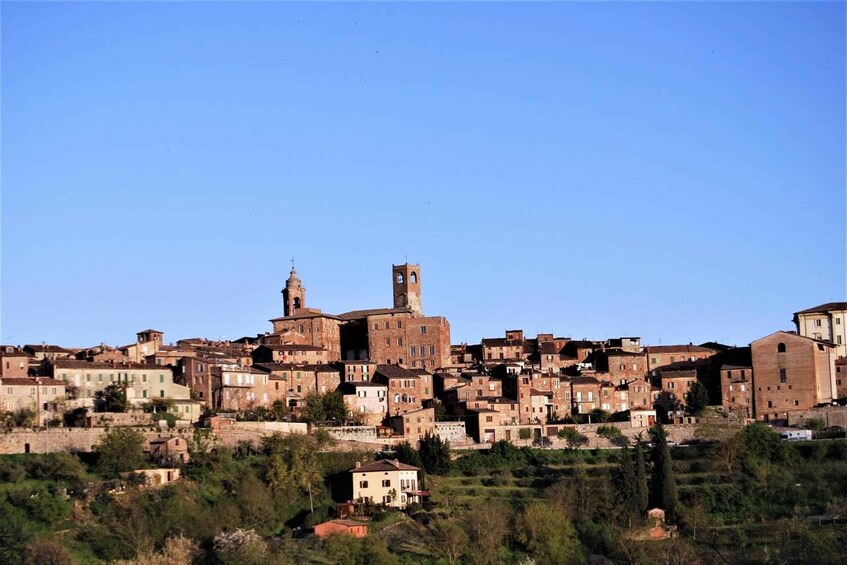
84,380
44,396
791,373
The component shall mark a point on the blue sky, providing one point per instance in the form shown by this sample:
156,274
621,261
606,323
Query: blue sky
669,170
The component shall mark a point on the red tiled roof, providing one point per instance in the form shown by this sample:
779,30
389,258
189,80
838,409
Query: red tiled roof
384,465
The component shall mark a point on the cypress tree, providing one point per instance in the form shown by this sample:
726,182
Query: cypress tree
663,493
627,495
641,496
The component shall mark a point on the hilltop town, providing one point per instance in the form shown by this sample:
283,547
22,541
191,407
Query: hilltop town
367,436
393,374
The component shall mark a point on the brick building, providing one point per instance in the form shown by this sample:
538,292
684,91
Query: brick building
663,355
841,378
512,347
291,353
791,373
407,390
399,335
737,389
14,363
300,325
414,425
620,366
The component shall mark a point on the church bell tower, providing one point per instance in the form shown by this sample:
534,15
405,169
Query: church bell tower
293,295
407,287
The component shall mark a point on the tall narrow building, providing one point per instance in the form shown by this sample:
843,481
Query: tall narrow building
407,287
293,295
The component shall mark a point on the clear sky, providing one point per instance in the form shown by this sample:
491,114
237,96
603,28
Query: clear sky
674,171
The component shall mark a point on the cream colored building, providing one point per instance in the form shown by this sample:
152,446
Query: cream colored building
387,482
42,395
827,322
144,382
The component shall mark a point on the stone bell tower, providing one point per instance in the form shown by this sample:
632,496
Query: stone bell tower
293,295
407,287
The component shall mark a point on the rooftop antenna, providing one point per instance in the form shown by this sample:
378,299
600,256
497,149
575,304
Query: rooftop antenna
292,263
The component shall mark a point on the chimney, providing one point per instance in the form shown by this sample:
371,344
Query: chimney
358,464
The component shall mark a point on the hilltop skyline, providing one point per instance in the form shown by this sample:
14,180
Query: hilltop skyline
671,171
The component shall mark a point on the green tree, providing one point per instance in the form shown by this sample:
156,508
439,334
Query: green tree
626,488
293,462
763,443
405,453
320,408
663,484
119,450
435,454
451,540
114,397
548,535
609,432
572,436
599,415
641,489
697,398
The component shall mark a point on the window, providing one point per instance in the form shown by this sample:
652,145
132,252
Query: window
400,278
363,484
817,323
423,330
838,339
414,277
782,375
770,403
388,341
837,321
376,325
161,394
144,393
386,324
414,351
399,324
386,483
432,349
161,378
780,348
400,341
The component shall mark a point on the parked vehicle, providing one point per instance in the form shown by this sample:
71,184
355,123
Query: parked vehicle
796,435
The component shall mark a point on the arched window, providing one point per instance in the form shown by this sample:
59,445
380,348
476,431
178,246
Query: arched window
780,348
396,398
405,398
400,278
414,277
296,302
